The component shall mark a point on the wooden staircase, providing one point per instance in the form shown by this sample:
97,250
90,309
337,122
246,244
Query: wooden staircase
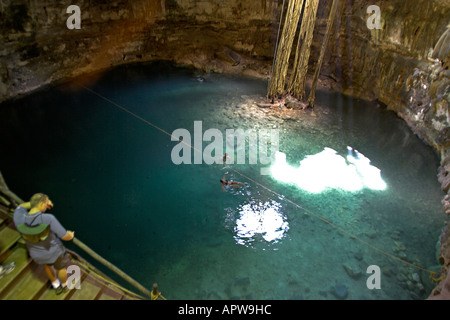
28,280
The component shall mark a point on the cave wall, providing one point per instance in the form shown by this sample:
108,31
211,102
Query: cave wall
404,64
38,48
395,64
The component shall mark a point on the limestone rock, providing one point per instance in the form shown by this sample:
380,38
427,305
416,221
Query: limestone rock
229,56
353,271
340,291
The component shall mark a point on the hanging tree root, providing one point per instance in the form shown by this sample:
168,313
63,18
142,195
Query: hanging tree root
300,72
281,64
331,18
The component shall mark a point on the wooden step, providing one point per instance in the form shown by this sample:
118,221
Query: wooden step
8,237
20,256
106,296
50,294
31,281
89,290
110,294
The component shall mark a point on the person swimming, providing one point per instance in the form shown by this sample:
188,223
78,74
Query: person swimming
234,184
224,159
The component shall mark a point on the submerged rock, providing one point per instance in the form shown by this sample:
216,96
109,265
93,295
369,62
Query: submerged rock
340,291
352,271
358,256
292,103
264,105
242,281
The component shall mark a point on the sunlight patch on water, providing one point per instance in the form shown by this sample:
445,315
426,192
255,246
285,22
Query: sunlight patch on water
329,170
258,219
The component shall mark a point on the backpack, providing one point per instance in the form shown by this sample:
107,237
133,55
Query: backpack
34,233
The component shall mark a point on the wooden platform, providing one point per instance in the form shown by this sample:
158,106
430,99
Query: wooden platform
28,280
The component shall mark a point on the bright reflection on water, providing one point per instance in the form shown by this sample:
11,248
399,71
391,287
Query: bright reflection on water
260,220
329,170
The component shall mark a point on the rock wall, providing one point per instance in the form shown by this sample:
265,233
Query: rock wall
404,64
38,48
394,64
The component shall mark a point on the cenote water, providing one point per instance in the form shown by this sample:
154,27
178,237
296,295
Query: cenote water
113,181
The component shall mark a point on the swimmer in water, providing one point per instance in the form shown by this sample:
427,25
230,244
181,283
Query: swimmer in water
231,183
224,160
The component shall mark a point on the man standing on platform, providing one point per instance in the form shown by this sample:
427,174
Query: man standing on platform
42,233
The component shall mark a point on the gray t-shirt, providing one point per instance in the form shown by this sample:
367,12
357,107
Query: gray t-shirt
47,251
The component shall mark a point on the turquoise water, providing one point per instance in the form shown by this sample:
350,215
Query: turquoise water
112,180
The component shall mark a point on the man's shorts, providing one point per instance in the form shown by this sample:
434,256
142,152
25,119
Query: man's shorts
62,262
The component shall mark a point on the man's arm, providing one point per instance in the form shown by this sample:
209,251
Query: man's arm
58,229
26,205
